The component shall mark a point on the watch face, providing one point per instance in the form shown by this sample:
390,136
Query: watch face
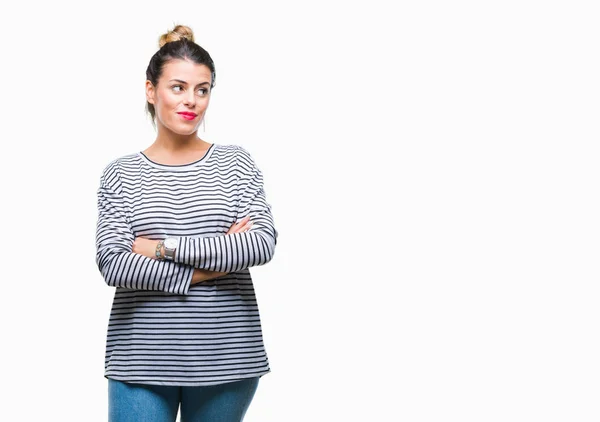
170,243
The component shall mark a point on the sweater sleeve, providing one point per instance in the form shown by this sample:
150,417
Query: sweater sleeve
237,251
119,266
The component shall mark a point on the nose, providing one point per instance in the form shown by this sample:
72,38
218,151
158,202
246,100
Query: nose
190,98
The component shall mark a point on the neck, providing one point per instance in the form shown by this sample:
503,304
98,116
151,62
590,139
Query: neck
167,140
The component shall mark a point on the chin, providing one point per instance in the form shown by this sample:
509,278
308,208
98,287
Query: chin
185,133
179,130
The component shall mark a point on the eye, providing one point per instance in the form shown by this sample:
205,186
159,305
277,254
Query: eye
203,91
175,88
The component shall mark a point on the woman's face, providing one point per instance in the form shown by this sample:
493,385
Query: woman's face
181,96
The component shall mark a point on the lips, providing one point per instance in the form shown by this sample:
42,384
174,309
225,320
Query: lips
187,115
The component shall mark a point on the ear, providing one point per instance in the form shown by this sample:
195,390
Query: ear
150,92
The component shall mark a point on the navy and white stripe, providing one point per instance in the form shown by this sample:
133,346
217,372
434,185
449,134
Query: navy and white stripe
162,330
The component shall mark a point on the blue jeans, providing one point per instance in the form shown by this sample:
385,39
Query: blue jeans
158,403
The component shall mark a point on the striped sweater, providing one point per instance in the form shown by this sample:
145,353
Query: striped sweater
163,330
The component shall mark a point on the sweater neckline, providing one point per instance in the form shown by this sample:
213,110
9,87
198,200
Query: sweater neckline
178,167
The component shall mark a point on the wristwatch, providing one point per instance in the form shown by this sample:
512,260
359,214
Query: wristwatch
170,244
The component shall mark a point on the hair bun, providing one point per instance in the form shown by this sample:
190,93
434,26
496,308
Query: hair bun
178,33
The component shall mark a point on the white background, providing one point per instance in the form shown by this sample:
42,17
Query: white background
433,174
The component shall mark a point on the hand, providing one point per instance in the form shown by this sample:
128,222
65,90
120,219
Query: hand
241,226
146,247
202,275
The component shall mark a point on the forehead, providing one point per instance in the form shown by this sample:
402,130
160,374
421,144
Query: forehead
186,70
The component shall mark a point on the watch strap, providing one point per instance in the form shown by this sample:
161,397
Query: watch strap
158,251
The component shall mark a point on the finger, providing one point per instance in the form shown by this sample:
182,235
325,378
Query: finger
244,220
240,228
241,223
245,226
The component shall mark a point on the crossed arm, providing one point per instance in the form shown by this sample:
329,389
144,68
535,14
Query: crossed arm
147,248
130,262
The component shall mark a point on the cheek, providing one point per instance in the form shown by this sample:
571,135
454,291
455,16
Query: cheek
170,101
203,103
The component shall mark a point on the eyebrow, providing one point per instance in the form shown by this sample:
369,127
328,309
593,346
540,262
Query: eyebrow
184,82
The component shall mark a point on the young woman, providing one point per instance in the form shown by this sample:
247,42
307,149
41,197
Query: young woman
179,225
